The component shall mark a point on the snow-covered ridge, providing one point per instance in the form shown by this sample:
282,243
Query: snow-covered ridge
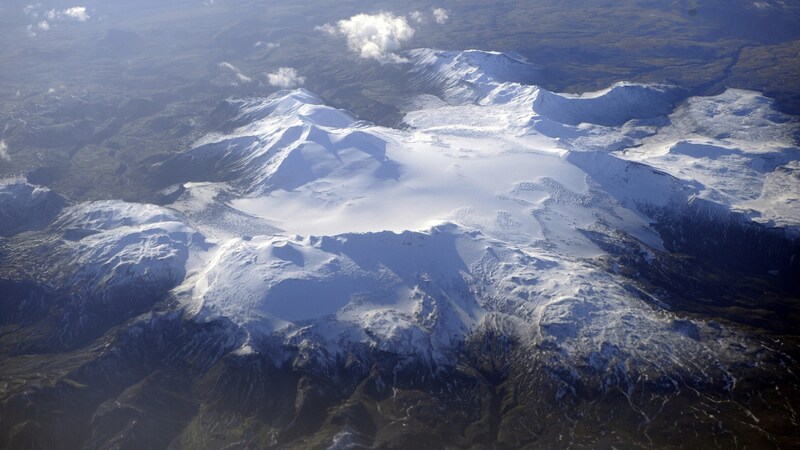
286,141
733,149
737,148
471,74
485,78
107,215
610,107
116,243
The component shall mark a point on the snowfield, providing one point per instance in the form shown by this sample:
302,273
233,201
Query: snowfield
306,225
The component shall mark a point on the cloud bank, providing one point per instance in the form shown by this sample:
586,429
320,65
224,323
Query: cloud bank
285,78
374,36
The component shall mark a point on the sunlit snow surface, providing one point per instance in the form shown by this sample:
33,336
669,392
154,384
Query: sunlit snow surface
326,232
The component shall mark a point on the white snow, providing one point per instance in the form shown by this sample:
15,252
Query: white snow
471,74
110,214
739,150
17,194
116,243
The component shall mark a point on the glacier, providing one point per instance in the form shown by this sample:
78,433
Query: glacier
302,226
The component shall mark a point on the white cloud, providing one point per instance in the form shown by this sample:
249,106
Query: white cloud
267,45
52,16
242,77
77,13
374,36
285,77
440,15
4,151
417,16
327,28
32,10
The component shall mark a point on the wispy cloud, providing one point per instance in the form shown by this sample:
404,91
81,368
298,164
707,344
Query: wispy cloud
4,151
374,36
286,78
267,45
417,16
32,10
327,28
239,75
437,15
